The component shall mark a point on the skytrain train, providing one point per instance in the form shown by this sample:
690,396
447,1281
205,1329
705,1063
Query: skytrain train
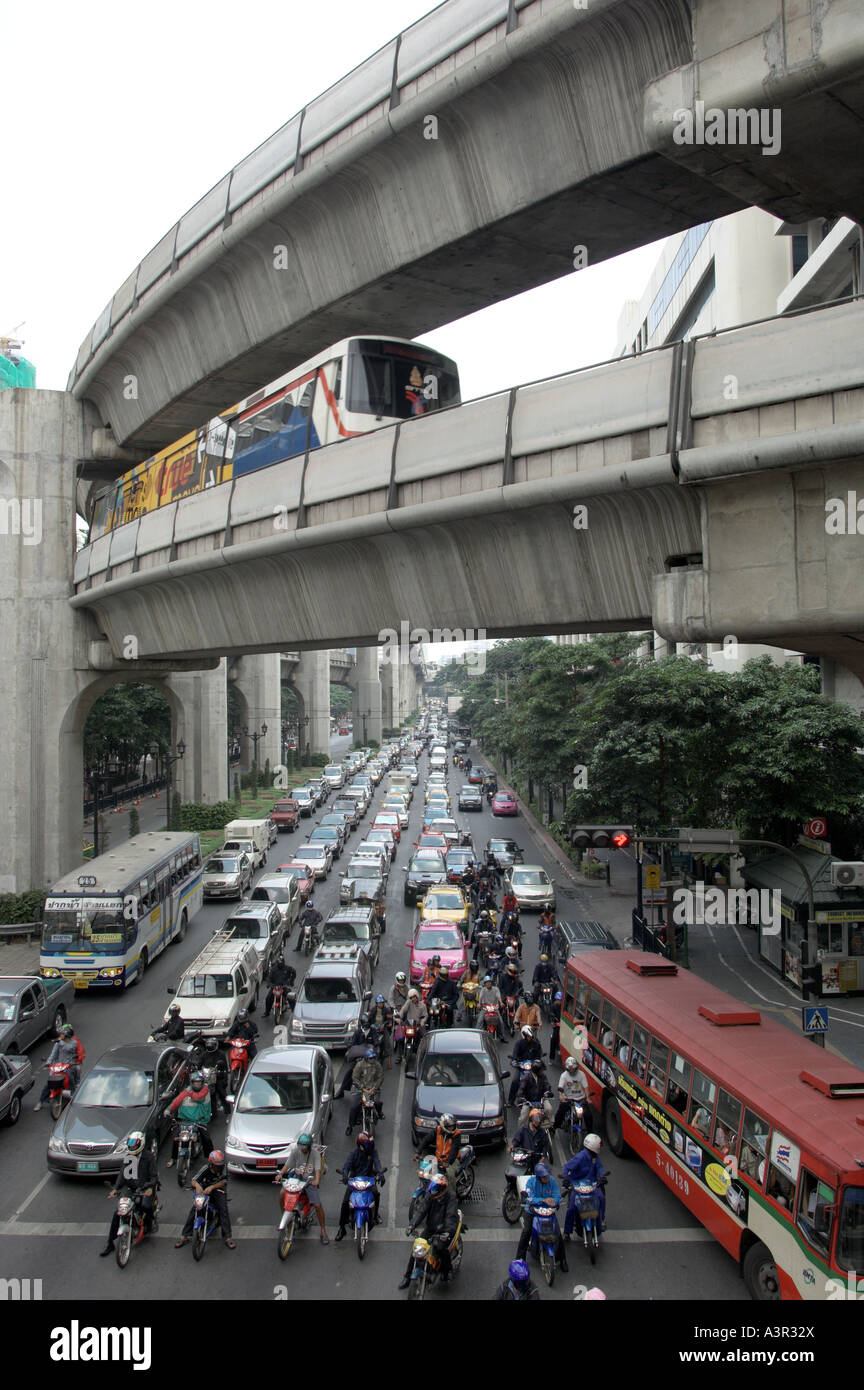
359,384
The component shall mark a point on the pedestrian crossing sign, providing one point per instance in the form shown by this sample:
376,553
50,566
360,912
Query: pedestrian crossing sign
814,1020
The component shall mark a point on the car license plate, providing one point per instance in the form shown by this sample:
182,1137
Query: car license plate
266,1163
80,982
87,1165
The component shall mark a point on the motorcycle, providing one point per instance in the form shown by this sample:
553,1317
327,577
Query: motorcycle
470,993
483,941
544,1237
426,1261
188,1149
546,935
59,1086
412,1040
131,1229
368,1112
428,1169
362,1204
510,1014
547,994
514,940
296,1212
205,1223
238,1062
578,1124
516,1174
491,1020
583,1197
280,1003
308,937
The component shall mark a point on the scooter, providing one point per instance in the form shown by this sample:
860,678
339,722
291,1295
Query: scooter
470,993
545,937
59,1086
188,1149
577,1125
483,941
238,1062
280,1003
544,1237
583,1196
516,1174
131,1228
426,1261
296,1212
491,1021
546,996
362,1204
440,1014
205,1222
412,1040
510,1014
368,1112
428,1170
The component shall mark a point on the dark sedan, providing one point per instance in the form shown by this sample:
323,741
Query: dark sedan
470,798
426,869
129,1088
457,1071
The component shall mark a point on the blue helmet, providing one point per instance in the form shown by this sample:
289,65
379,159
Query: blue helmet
519,1272
542,1172
370,1054
558,997
379,998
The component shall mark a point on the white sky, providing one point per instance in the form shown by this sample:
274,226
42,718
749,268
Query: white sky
118,117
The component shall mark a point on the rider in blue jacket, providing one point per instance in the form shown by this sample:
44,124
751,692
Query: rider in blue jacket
585,1167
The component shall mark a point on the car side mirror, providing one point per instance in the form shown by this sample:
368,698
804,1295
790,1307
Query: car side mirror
411,1075
408,943
229,1100
170,990
504,1075
325,1096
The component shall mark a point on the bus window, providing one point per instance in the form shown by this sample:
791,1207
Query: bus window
679,1083
622,1038
581,992
607,1018
639,1050
754,1145
569,996
850,1245
816,1206
728,1122
778,1186
702,1103
592,1021
658,1065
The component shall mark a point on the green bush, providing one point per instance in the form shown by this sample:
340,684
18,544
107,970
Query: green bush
207,815
21,907
134,822
317,760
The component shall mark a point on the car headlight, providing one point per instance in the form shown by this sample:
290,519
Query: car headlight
49,973
492,1124
120,1145
296,1027
424,1122
56,1145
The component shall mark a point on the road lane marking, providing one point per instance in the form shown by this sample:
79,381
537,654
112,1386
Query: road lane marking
395,1150
684,1235
32,1197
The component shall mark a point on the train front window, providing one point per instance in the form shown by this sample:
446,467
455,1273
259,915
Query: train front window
396,381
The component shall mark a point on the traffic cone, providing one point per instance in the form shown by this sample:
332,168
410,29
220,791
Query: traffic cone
137,801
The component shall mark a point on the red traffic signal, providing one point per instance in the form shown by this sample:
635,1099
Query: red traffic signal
601,837
620,839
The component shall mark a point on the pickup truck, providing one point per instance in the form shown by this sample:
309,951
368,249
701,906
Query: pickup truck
286,814
31,1007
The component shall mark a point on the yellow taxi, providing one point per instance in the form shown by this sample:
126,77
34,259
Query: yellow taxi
399,804
436,795
445,903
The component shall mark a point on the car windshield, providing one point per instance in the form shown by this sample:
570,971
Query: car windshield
283,806
222,866
359,868
443,902
458,1069
325,835
530,878
332,770
327,989
345,931
388,818
247,928
468,791
501,847
380,837
314,852
116,1087
275,1093
422,862
439,939
271,894
206,987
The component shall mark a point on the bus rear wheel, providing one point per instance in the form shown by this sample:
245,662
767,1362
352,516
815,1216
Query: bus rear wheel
614,1128
760,1274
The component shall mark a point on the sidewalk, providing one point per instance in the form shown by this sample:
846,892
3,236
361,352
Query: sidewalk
19,957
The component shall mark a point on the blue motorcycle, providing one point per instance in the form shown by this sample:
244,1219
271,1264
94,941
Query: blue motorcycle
585,1200
362,1204
205,1223
544,1237
428,1169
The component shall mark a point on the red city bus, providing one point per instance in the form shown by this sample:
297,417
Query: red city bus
758,1132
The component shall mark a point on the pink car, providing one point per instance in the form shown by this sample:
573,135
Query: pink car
504,804
442,939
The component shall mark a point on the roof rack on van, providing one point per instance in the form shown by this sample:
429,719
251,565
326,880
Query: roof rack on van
347,951
217,943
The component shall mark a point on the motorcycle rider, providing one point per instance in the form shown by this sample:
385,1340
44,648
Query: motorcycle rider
245,1028
439,1216
491,994
509,985
212,1179
309,917
447,991
585,1167
511,930
67,1048
470,982
193,1106
430,972
143,1178
278,974
381,1018
509,903
555,1016
219,1085
306,1160
544,973
541,1189
494,871
367,1076
173,1030
482,922
469,878
414,1010
572,1085
398,996
533,1090
362,1162
445,1141
532,1138
528,1014
518,1285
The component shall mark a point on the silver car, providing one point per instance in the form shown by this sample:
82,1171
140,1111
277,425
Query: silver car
16,1078
531,886
285,1091
319,858
227,875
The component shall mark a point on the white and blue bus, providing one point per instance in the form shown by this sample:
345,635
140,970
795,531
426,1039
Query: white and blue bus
104,922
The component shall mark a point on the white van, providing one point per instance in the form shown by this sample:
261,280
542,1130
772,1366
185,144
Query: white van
400,782
256,832
221,980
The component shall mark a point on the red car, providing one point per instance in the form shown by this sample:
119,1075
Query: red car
388,820
504,804
442,939
429,841
305,880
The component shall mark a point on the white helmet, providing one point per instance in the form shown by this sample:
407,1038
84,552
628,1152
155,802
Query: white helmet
401,977
571,1064
527,1032
413,994
593,1143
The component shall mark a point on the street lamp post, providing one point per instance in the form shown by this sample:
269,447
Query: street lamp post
169,760
255,735
364,716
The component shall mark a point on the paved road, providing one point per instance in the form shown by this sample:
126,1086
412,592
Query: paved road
53,1228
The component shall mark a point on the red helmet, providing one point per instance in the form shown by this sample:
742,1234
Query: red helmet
217,1159
365,1141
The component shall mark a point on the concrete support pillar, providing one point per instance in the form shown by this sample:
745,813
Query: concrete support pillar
202,723
389,676
312,684
258,683
366,696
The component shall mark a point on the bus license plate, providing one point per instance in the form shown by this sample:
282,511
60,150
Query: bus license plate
266,1163
80,982
87,1165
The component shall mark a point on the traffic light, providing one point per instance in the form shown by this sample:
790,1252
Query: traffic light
601,836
